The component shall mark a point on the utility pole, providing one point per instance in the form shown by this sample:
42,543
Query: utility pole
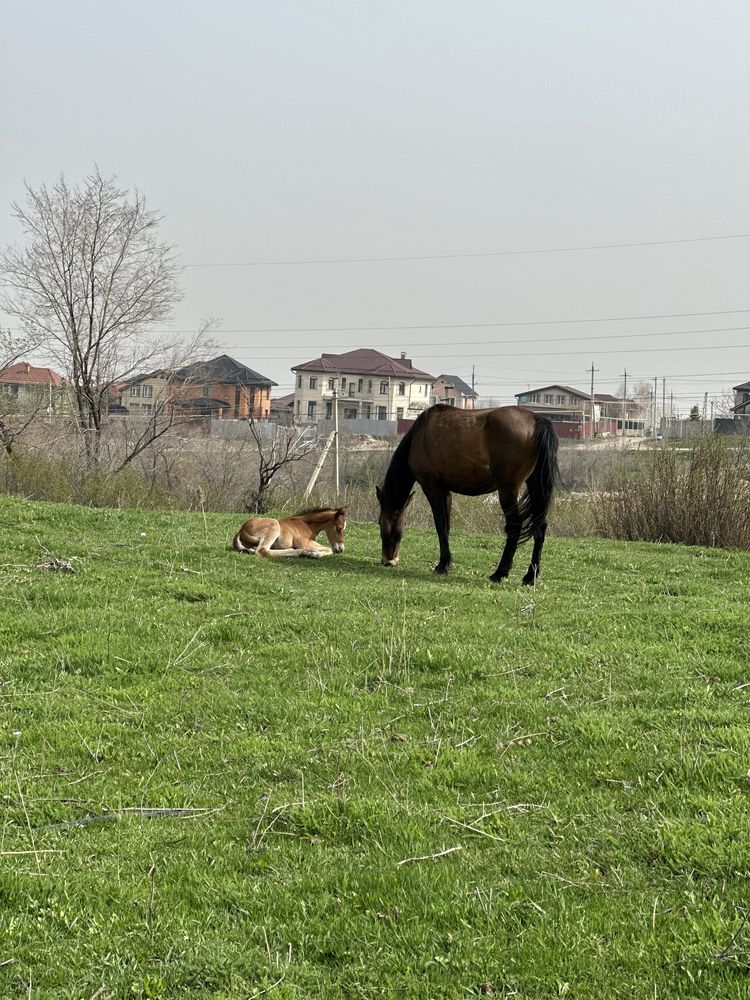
336,433
472,378
664,404
705,405
624,400
593,410
653,432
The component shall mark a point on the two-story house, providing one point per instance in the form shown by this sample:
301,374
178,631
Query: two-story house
741,398
569,410
25,387
454,391
221,387
369,386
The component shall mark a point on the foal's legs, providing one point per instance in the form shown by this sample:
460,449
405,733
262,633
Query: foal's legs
441,502
509,503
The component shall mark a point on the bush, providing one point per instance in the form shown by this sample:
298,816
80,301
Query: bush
695,497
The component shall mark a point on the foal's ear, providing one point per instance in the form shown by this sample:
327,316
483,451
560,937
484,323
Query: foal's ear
341,512
408,501
379,494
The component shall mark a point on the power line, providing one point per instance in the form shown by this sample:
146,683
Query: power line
462,326
467,256
523,340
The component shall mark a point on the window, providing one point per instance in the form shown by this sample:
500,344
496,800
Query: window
367,411
384,390
313,382
548,397
560,400
299,381
382,413
329,409
331,383
311,408
402,388
433,400
350,413
343,383
369,385
351,388
400,413
135,390
148,391
534,397
360,385
206,391
451,401
147,406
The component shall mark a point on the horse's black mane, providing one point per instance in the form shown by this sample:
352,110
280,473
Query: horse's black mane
399,478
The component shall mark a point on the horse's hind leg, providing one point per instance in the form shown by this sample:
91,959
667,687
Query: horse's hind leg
509,504
440,502
532,573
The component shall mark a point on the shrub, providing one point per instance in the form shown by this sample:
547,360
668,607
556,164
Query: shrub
697,497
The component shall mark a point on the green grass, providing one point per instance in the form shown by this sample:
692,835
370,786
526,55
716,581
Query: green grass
581,749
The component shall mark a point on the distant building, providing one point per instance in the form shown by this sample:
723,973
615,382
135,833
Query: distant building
282,408
370,386
741,398
25,387
569,410
454,391
221,388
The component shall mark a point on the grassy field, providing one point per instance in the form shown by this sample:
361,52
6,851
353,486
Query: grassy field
382,783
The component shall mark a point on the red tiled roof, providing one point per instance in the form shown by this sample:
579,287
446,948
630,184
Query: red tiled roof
363,361
22,373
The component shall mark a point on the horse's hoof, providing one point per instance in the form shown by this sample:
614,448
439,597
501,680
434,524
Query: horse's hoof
498,577
530,579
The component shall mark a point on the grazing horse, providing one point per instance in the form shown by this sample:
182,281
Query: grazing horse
473,452
293,536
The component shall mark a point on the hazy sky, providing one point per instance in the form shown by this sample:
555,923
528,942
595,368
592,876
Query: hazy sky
316,131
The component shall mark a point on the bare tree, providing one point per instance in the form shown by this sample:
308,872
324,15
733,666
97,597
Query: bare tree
91,280
279,448
12,421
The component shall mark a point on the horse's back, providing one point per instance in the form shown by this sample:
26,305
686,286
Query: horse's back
469,451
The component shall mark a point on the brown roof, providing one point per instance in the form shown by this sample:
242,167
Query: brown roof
282,402
363,361
745,387
22,373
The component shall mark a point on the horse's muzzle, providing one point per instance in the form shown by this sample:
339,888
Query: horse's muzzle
338,548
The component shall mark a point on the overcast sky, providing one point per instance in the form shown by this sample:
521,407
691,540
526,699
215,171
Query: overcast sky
335,131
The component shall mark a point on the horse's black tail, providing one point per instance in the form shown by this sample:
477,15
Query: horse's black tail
541,483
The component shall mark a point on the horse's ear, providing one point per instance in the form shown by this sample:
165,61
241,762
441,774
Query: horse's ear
379,494
408,501
341,512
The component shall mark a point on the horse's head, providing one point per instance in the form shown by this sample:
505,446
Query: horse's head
391,523
335,529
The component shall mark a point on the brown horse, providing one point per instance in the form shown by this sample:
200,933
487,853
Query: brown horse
473,452
293,536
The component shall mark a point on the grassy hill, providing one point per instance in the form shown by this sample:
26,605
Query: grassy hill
226,777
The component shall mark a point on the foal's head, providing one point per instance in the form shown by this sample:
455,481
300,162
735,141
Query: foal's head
391,527
335,529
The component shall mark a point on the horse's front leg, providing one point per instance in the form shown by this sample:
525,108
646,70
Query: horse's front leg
509,504
440,503
314,550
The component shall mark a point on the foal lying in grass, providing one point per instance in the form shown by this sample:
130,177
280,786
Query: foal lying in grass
293,536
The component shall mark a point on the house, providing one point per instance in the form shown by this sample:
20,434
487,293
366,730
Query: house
454,391
369,386
569,410
222,388
24,387
741,398
282,408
